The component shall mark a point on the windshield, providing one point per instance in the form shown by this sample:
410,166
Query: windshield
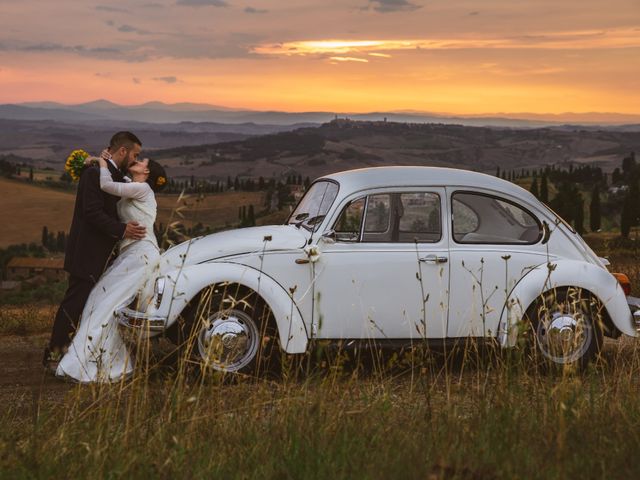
314,205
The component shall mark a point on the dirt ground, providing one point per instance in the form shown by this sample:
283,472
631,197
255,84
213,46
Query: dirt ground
22,377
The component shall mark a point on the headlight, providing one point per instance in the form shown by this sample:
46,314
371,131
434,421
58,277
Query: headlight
158,290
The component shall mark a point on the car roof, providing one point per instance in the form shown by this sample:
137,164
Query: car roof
378,177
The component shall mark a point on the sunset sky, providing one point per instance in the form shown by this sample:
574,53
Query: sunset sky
453,56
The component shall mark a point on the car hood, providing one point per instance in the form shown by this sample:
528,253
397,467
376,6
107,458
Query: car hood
234,242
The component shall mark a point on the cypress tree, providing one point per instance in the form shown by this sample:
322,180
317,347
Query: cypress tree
626,217
498,172
534,188
60,242
615,176
45,236
579,214
544,189
31,174
251,217
594,210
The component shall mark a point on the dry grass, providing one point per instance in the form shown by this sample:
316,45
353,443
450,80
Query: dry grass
472,413
26,320
26,208
218,210
469,415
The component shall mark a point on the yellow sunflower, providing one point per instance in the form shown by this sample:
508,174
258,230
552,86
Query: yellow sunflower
75,164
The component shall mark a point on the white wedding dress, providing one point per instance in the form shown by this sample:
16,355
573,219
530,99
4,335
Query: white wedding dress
97,352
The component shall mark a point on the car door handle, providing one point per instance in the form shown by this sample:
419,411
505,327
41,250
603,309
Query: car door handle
433,259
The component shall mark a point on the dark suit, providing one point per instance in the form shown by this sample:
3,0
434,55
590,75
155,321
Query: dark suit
95,230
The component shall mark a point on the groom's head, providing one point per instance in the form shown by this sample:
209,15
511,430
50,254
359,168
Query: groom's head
125,148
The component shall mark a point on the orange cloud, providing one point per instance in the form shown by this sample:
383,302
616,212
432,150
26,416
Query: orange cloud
349,59
580,39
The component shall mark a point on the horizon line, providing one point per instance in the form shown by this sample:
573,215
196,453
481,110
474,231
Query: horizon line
402,111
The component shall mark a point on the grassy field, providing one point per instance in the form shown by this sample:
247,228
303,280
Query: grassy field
217,210
470,413
466,415
26,208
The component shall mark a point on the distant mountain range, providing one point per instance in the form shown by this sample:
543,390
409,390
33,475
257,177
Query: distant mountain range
100,111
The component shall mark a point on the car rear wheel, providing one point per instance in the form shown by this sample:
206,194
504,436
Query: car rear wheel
566,327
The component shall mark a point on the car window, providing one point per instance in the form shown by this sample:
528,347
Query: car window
378,210
465,219
349,224
420,218
314,205
479,218
391,217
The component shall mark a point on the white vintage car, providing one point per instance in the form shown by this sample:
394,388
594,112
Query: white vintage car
391,256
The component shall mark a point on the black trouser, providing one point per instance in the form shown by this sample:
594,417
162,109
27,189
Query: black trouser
69,312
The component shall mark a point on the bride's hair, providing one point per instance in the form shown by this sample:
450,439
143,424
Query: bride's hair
157,176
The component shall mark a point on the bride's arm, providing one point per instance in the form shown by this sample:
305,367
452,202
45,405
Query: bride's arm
137,190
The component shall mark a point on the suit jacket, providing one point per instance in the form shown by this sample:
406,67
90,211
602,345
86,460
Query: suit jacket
95,228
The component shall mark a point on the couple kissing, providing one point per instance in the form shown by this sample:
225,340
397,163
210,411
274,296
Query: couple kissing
111,245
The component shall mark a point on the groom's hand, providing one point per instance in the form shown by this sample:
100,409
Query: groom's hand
134,231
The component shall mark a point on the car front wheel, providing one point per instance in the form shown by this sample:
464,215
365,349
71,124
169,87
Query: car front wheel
228,328
228,340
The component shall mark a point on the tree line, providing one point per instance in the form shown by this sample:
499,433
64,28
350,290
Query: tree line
619,201
53,242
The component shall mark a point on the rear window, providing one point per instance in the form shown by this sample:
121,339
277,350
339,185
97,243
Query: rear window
479,218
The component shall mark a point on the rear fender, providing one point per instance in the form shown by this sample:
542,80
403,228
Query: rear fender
564,273
182,285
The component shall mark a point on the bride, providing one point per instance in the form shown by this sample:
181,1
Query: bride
97,352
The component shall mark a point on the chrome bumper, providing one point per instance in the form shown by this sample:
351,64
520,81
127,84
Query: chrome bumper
634,305
132,319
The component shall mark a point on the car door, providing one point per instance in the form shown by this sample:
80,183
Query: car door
494,242
385,274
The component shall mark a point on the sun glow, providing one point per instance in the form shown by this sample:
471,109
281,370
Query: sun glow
570,40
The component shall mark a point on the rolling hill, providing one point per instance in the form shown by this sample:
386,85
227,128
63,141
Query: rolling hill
343,144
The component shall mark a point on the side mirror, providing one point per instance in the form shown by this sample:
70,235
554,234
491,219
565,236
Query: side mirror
546,232
329,237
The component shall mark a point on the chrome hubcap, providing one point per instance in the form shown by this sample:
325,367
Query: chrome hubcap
228,340
563,337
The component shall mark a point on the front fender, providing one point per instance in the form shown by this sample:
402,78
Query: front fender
564,273
183,285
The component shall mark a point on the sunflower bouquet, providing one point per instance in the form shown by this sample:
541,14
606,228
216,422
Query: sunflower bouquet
75,164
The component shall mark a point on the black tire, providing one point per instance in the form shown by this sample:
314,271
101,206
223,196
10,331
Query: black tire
565,328
228,328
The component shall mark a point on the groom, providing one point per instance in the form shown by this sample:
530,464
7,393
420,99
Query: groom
95,230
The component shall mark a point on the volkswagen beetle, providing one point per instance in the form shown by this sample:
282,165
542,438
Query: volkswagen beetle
390,256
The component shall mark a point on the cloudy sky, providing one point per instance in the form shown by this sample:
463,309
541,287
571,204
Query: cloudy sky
454,56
